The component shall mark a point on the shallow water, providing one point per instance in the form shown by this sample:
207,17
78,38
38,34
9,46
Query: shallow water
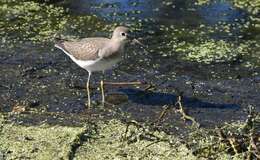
44,79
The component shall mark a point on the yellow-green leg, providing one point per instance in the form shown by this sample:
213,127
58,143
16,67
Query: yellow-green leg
88,92
102,91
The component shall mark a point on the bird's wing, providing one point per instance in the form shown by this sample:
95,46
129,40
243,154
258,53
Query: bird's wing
85,49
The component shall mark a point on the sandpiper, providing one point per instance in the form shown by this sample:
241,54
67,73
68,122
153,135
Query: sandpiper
97,53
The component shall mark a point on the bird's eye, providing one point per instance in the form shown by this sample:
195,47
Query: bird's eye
123,34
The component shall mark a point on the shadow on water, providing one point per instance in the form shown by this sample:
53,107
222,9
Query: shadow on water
156,98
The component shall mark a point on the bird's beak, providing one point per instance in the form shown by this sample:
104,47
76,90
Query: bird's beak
133,40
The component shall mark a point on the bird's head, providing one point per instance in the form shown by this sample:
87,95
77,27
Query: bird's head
121,34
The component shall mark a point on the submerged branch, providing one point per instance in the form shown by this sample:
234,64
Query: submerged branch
184,115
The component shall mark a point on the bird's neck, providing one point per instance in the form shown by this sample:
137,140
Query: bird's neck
116,44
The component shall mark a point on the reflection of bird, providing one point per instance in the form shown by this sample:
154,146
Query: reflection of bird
96,54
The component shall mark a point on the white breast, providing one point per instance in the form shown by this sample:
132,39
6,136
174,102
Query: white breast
98,65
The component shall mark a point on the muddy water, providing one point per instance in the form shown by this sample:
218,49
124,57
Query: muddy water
44,80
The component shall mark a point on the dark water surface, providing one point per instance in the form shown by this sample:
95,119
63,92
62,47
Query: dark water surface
46,80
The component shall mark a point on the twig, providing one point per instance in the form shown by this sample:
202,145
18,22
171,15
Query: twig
232,142
252,145
163,113
149,87
124,83
184,115
134,123
144,133
152,144
250,118
221,135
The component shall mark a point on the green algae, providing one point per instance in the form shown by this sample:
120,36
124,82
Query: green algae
30,21
113,139
202,2
247,41
252,6
33,22
38,23
197,46
113,142
102,140
36,142
213,51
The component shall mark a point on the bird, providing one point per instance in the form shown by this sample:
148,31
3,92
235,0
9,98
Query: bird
97,53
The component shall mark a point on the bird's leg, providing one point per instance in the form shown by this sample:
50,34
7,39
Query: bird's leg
88,92
102,89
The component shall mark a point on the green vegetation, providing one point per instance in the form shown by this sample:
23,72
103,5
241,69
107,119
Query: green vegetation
213,51
28,21
113,139
196,45
209,50
36,142
231,141
100,141
253,9
113,142
252,6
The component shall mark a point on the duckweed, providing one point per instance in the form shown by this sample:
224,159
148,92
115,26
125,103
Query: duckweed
28,21
253,8
212,51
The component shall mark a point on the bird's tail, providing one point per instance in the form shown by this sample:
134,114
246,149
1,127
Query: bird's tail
59,45
58,41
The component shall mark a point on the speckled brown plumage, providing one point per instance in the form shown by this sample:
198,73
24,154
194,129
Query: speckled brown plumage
84,49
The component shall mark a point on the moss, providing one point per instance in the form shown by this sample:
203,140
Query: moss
111,142
104,140
36,142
